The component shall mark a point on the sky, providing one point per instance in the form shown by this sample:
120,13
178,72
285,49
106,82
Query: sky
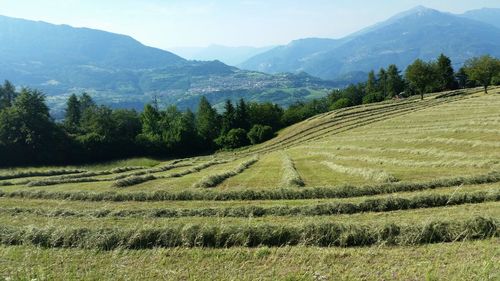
195,23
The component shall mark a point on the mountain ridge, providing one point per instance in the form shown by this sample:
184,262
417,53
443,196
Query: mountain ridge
417,33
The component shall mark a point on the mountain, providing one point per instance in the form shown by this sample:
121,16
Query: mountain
417,33
225,54
119,71
486,15
292,56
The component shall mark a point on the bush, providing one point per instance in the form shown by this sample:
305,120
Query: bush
341,103
373,97
260,133
233,139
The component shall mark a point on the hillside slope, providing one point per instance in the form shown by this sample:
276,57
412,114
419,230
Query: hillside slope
486,15
370,192
418,33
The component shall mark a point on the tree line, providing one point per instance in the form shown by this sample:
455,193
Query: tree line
92,132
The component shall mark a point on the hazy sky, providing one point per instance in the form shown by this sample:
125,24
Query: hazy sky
171,23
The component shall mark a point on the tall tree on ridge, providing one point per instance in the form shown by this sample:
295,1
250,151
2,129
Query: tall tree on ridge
445,73
73,113
482,70
207,122
395,82
420,75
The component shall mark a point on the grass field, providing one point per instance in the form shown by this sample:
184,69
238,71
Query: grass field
400,190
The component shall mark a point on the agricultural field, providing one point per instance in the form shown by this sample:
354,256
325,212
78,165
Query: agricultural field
399,190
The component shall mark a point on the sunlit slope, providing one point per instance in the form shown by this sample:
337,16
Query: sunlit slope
442,136
398,178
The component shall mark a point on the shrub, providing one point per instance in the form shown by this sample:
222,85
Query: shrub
233,139
260,133
341,103
373,97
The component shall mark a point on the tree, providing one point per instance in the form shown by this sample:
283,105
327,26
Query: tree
462,78
382,81
99,120
228,117
373,97
150,119
242,119
207,123
7,94
482,70
445,74
187,132
127,124
86,102
265,114
420,76
395,82
27,129
341,103
260,133
371,83
73,113
233,139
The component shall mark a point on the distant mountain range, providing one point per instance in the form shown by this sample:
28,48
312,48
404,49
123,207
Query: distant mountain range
486,15
120,71
418,33
228,55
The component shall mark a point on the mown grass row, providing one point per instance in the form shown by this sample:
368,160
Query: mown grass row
337,125
326,123
135,179
446,141
225,236
216,179
366,173
84,177
122,179
322,209
384,116
138,179
26,174
290,176
344,191
345,116
412,163
433,152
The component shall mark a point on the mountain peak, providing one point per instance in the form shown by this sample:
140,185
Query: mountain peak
416,11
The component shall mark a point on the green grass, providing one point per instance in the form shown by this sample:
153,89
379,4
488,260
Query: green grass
376,186
437,261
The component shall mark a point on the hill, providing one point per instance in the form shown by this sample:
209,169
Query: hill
120,71
228,55
418,33
486,15
368,192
